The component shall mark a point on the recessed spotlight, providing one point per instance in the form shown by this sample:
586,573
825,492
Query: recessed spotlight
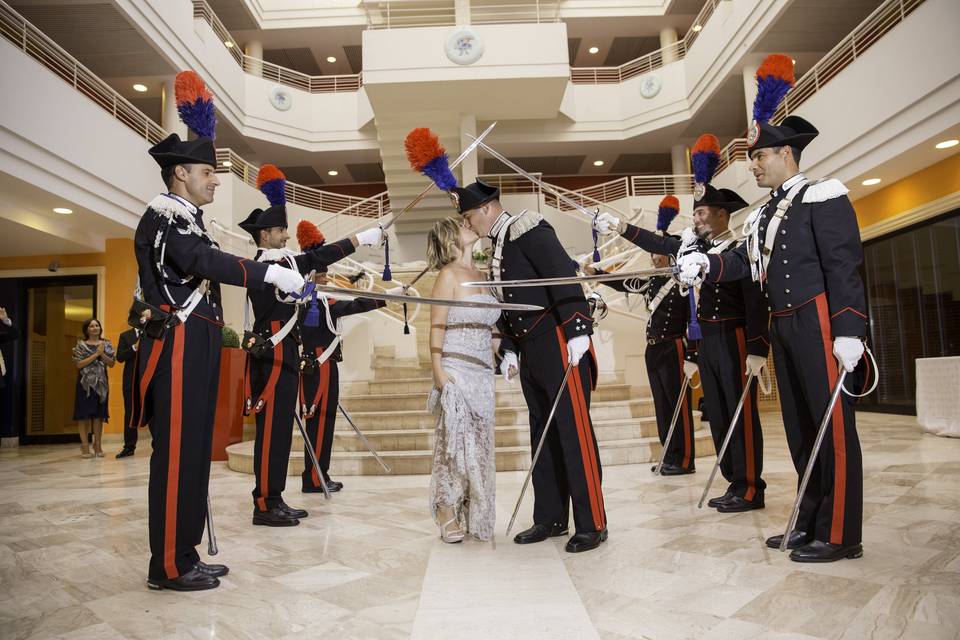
696,27
333,172
594,50
331,59
598,163
227,163
794,60
228,44
869,182
62,210
946,144
141,88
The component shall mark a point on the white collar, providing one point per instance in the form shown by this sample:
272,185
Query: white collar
498,224
192,208
789,182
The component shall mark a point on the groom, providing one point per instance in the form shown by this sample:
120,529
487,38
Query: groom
540,346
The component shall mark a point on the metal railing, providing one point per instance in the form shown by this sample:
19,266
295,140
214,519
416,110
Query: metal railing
270,71
395,14
649,62
511,182
661,185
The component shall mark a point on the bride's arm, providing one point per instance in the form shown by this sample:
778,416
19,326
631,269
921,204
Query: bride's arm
442,288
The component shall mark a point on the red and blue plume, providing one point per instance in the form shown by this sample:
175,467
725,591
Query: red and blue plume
705,158
427,156
272,183
309,235
667,211
774,80
195,104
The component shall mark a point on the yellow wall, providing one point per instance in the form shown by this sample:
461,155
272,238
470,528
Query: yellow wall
120,275
926,185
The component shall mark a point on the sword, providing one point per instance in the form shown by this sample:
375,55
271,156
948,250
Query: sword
453,165
673,424
726,439
211,536
444,302
547,282
813,459
363,439
313,457
543,438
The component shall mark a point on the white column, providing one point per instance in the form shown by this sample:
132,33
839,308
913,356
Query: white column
750,87
679,164
461,12
254,49
468,168
668,36
169,119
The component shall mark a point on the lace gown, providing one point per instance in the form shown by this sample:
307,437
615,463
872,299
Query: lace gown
464,470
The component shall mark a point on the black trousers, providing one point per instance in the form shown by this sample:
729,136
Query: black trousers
179,376
832,507
665,372
274,385
129,426
321,395
569,465
721,358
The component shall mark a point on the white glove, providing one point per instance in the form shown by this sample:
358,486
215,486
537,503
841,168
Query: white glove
370,237
755,365
287,280
692,267
576,348
848,351
690,369
395,291
509,360
605,224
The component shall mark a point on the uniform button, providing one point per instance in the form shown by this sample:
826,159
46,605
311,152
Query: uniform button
783,232
769,309
509,295
789,305
520,319
784,261
786,290
786,275
783,246
714,317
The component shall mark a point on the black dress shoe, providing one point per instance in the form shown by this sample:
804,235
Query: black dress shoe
676,470
585,541
797,539
713,503
736,504
193,580
275,517
292,512
818,551
332,486
540,532
125,453
215,570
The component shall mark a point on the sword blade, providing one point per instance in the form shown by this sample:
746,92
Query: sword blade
726,439
363,439
673,423
443,302
313,457
546,282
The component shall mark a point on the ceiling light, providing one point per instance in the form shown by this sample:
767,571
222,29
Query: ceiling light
794,60
62,210
227,163
696,27
598,163
140,87
331,59
869,182
333,172
594,49
946,144
228,44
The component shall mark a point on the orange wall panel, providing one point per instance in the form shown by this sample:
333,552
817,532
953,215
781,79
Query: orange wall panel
926,185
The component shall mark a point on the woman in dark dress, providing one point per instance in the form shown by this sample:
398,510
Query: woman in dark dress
92,355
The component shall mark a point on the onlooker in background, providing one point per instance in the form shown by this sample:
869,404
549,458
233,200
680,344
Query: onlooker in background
127,348
8,333
92,355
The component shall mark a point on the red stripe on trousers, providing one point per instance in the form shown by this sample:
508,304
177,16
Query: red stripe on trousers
687,431
173,455
748,443
839,436
268,420
322,422
155,348
582,420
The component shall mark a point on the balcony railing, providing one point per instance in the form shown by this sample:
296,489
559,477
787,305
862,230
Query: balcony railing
649,62
394,14
511,182
270,71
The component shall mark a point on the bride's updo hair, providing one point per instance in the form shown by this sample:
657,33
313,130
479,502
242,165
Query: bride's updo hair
443,243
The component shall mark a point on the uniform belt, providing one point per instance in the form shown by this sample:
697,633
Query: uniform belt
652,341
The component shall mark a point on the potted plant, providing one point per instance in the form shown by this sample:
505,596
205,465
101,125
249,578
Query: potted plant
228,420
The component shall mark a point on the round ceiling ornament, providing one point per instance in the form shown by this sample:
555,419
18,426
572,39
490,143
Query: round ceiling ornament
281,98
464,46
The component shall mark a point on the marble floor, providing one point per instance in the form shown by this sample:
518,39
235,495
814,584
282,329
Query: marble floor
368,564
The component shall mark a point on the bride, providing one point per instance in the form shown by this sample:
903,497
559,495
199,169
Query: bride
463,481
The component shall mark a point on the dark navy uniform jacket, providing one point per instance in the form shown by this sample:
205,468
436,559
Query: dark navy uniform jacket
671,317
320,337
817,250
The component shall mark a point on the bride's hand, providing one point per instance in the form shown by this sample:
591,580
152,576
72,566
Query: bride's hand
441,378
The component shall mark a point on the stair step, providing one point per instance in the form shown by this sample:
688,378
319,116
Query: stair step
410,399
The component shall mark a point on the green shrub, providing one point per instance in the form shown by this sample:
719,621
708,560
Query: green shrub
230,338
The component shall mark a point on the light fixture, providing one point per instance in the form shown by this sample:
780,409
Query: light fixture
946,144
696,28
794,60
141,88
598,163
869,182
228,44
62,210
594,49
331,59
227,163
333,172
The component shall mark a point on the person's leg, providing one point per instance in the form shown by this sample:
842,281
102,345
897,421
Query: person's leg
97,436
82,428
315,388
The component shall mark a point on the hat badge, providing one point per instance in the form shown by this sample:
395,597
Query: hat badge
454,198
753,134
699,190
